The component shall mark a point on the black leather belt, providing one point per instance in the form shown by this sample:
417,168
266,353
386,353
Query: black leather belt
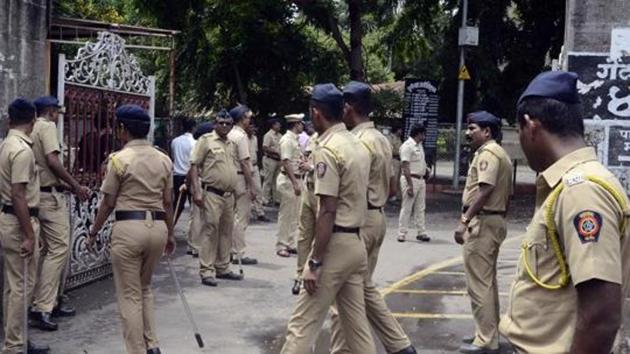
373,207
49,189
216,191
396,157
122,215
239,172
484,212
345,230
8,209
296,176
413,175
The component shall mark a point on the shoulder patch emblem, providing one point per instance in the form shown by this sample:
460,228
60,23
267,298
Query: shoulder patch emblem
321,169
588,224
483,165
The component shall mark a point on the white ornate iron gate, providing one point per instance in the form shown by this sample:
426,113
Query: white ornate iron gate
101,77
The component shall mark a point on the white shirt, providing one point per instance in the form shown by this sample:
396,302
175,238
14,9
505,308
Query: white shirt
181,148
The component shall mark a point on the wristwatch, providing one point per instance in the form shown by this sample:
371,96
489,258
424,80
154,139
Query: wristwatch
313,264
464,220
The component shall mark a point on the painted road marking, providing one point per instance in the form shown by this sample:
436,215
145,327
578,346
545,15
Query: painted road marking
437,316
442,272
436,292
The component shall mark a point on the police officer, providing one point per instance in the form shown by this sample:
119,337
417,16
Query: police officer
575,262
413,186
271,161
338,262
138,186
357,107
245,192
258,209
308,213
482,227
19,226
195,225
213,180
53,215
289,185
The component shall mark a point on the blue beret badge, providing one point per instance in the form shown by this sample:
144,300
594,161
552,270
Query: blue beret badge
588,224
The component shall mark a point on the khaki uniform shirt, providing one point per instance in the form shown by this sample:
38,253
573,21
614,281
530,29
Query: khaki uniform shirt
396,143
45,141
271,140
490,165
587,218
138,176
216,159
290,150
310,175
241,143
413,153
380,162
342,166
17,165
253,149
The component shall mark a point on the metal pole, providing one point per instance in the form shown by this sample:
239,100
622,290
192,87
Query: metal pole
460,102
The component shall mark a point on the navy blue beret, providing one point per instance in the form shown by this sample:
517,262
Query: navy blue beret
203,128
223,114
239,111
46,101
272,121
22,104
132,112
356,91
483,117
559,85
327,94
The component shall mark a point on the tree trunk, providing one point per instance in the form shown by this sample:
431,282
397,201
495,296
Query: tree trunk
239,84
355,60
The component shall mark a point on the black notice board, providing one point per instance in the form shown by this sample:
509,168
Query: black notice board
619,146
421,106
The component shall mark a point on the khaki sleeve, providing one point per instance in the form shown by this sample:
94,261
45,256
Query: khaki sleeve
21,166
199,152
327,175
488,168
286,149
267,140
406,151
242,148
111,183
169,175
49,139
588,222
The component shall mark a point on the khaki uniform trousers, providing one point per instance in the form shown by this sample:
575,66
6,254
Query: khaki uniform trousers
258,203
341,281
385,325
271,169
306,228
487,232
242,209
412,208
288,213
215,239
137,246
11,238
55,241
194,227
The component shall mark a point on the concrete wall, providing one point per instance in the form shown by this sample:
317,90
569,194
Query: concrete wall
23,54
589,23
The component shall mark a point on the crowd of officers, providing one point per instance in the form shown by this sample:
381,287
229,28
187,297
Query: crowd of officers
572,274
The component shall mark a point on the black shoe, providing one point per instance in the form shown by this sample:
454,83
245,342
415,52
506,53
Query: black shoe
292,250
154,351
409,350
245,260
63,311
43,321
295,290
230,276
209,281
473,349
423,238
263,218
468,339
37,349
